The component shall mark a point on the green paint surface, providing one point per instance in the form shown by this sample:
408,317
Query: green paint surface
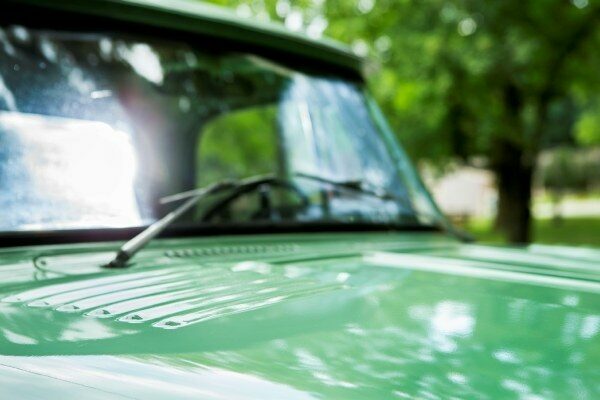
305,316
353,316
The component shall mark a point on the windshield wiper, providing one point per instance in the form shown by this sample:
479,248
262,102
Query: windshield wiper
131,247
352,185
360,187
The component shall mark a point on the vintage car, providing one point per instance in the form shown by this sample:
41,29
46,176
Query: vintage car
198,206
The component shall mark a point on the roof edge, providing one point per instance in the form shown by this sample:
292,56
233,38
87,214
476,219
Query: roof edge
210,20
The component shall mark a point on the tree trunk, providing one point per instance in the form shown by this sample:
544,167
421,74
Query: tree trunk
514,176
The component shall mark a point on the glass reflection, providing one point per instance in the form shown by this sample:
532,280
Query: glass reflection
96,129
65,173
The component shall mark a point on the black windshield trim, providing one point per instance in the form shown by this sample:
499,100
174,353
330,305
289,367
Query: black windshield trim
30,238
53,18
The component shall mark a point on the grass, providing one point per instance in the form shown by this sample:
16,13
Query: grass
591,195
571,231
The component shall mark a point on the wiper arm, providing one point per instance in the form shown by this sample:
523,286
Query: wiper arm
195,192
131,247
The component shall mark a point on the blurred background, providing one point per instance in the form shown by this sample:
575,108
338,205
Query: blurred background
497,102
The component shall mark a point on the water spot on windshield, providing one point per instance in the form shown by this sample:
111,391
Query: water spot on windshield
184,104
106,47
190,59
77,80
21,34
6,44
101,94
92,59
48,50
144,61
7,96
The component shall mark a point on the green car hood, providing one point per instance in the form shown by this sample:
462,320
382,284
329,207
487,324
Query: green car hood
337,316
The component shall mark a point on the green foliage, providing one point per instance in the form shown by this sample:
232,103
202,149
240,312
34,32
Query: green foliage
571,231
454,75
464,79
250,135
588,128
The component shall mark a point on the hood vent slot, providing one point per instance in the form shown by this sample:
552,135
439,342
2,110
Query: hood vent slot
233,250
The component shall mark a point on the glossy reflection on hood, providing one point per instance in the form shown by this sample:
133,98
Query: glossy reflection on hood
354,317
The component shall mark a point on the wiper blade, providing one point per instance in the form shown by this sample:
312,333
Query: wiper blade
131,247
360,187
353,185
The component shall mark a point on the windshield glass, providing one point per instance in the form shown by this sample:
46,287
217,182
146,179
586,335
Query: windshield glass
96,129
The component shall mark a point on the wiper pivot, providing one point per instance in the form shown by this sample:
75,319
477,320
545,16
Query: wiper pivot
131,247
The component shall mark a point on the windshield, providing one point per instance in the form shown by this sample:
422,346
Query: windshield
96,129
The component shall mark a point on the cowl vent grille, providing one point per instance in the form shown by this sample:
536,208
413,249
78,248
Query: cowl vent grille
233,250
172,298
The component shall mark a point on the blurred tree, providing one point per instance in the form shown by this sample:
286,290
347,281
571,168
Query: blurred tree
564,170
588,127
464,78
